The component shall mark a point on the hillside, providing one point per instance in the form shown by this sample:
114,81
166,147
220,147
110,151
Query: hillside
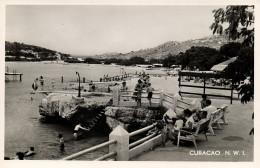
23,52
19,51
171,47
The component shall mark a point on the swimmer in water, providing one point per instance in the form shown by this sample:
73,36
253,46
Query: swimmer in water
76,130
30,152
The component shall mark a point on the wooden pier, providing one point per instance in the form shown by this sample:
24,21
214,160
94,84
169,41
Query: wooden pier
14,74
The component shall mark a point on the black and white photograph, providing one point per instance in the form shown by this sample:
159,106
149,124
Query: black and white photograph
128,82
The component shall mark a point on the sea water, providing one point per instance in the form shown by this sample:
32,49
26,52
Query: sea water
23,127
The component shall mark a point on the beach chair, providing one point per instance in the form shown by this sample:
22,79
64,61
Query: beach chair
202,128
225,111
214,119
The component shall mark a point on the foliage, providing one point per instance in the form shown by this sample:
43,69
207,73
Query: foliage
240,20
20,49
241,26
230,49
92,61
202,58
137,60
155,61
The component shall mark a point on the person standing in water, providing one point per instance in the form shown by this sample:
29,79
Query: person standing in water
41,81
61,141
35,85
53,84
149,90
76,130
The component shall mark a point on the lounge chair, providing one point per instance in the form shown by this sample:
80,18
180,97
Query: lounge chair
202,128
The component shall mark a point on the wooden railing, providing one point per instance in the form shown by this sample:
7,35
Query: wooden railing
119,147
124,98
114,78
94,148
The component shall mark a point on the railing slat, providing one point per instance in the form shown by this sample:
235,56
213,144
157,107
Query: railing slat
142,130
167,101
181,107
184,102
168,95
141,140
89,150
106,156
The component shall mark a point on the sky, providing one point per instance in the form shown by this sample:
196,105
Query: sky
97,29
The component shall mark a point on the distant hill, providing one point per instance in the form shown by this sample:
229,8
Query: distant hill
171,47
15,51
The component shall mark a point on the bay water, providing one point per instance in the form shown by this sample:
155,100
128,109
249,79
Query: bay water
23,127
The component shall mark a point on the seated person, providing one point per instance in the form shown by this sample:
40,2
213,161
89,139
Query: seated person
203,101
209,108
188,125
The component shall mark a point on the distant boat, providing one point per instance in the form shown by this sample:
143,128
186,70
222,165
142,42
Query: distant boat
54,62
150,67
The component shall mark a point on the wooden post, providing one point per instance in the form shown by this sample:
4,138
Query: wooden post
62,79
232,87
20,77
204,84
161,98
83,79
176,97
116,96
122,146
100,80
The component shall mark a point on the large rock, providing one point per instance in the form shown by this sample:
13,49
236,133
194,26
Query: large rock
131,118
66,107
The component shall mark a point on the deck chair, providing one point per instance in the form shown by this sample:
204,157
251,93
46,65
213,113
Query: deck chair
214,119
202,128
225,111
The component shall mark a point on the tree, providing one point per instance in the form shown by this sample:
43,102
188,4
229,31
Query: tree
241,26
240,20
137,60
202,58
230,49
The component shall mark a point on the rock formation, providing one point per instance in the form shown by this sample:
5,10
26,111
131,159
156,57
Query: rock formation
131,118
65,106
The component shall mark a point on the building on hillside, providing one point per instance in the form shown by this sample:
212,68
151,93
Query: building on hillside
157,65
221,66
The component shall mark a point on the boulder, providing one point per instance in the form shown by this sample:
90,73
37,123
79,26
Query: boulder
131,118
65,106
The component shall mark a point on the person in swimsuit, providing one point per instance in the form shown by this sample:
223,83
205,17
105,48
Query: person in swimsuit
61,142
76,130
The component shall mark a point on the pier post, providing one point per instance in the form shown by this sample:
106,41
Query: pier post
100,79
20,77
62,79
122,146
83,79
116,96
161,98
176,97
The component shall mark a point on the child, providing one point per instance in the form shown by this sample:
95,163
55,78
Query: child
150,93
61,141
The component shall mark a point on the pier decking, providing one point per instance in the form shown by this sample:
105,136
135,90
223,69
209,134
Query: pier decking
14,74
